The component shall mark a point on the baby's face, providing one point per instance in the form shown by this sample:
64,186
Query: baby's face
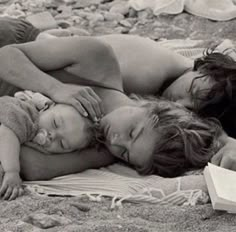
66,129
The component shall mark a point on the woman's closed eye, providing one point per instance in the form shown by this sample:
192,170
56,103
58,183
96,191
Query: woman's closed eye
54,122
131,133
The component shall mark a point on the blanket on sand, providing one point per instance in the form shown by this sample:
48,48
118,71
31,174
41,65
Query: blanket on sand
121,183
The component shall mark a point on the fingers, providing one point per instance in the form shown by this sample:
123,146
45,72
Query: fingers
16,193
79,108
98,101
8,193
21,191
216,159
88,106
95,105
92,103
3,189
226,162
11,193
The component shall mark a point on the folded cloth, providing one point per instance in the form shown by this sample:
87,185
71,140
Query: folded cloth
123,183
211,9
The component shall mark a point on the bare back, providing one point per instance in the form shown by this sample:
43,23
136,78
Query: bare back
145,65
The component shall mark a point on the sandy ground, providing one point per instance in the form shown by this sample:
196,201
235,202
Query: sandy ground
32,213
40,213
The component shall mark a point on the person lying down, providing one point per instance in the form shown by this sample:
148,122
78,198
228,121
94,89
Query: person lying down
182,140
33,119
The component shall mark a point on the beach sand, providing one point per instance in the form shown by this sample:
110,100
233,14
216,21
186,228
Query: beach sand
33,213
71,214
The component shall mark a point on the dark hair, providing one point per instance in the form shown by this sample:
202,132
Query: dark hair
185,140
220,100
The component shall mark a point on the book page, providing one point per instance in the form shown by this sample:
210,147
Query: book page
224,181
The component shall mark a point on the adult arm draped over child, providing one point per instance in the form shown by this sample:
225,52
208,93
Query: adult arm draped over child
25,66
86,58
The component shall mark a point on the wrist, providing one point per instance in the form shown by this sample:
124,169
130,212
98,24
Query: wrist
54,88
12,172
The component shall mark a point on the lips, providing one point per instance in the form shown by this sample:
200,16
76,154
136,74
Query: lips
42,138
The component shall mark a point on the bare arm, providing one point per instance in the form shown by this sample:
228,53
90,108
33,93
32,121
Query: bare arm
9,157
38,166
10,150
24,65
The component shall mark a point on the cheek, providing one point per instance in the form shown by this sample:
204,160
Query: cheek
78,137
82,142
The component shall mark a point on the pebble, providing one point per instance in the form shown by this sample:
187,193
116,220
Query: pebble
64,24
86,3
125,23
95,17
68,1
121,8
132,13
104,7
81,207
4,1
45,221
143,14
109,16
43,20
64,12
78,31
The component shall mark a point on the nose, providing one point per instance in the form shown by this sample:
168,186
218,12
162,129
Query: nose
52,135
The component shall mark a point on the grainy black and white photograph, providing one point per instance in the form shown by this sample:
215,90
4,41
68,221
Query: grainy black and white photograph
117,115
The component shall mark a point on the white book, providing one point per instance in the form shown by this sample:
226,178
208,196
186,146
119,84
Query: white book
221,185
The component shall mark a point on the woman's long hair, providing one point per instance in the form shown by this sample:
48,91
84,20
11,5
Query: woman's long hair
184,140
220,100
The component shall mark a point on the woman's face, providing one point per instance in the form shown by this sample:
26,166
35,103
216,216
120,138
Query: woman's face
67,129
179,90
129,134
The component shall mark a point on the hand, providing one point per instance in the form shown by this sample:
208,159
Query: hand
11,186
83,98
226,156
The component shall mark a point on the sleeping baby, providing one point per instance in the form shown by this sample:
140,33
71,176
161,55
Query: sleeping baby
33,119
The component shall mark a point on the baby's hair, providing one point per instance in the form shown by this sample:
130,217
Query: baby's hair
220,100
184,140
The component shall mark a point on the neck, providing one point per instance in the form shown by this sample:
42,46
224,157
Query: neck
113,99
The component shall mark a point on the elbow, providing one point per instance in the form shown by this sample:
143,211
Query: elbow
8,50
101,54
